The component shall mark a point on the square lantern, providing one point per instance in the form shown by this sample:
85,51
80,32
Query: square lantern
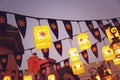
116,61
74,54
51,77
108,53
77,67
110,35
7,78
28,77
83,41
42,37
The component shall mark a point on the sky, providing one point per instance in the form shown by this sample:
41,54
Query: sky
65,10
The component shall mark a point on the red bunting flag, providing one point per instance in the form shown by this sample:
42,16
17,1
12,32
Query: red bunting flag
85,55
58,46
53,26
21,23
66,62
58,66
13,75
68,27
4,61
45,52
20,75
94,50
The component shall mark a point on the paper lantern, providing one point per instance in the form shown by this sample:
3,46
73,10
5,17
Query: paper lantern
108,53
51,77
77,67
7,78
110,35
97,77
42,37
83,41
27,77
116,61
74,54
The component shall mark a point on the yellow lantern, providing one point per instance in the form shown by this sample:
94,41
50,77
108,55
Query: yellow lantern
42,37
51,77
110,35
97,77
83,41
77,67
108,53
7,78
27,77
116,61
74,54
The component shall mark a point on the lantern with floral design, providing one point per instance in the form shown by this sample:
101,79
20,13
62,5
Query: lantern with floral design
42,37
51,77
83,41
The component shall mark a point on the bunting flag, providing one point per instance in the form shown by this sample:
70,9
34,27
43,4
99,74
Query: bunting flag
96,34
43,73
20,75
18,58
4,61
66,62
89,25
68,27
45,52
94,50
13,74
53,26
100,23
58,66
21,23
58,46
3,21
116,23
85,56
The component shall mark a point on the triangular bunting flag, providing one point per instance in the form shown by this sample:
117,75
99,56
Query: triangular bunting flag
85,56
100,24
3,22
53,26
58,66
42,73
45,52
2,74
13,74
94,50
96,34
4,61
21,23
66,62
18,58
116,23
68,28
89,25
58,46
20,75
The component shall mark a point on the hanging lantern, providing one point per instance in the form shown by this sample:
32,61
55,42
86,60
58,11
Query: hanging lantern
97,77
28,77
74,54
7,78
51,77
42,37
83,41
108,53
115,44
116,61
110,35
77,67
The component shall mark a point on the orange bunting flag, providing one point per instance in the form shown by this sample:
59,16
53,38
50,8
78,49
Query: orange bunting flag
42,37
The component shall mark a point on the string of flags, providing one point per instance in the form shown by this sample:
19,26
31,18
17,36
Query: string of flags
22,26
